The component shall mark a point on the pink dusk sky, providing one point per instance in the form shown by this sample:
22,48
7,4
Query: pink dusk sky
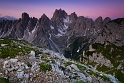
88,8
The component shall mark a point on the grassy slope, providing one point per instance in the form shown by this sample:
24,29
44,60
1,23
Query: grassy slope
15,47
115,56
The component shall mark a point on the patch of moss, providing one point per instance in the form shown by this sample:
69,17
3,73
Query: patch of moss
75,77
29,64
38,52
93,73
96,74
105,78
42,57
14,47
47,53
119,75
45,67
3,80
53,61
80,81
103,68
80,67
68,63
114,54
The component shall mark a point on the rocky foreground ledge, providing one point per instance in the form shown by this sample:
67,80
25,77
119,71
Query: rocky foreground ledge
49,67
40,65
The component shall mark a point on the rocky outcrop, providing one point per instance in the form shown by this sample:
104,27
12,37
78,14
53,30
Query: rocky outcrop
59,14
112,32
73,17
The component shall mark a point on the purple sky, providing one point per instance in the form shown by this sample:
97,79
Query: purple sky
87,8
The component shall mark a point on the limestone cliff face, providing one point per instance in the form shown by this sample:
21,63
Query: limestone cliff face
112,32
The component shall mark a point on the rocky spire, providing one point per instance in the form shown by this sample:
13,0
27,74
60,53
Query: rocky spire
106,20
44,19
73,16
59,14
98,23
25,18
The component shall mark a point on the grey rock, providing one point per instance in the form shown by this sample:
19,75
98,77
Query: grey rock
20,74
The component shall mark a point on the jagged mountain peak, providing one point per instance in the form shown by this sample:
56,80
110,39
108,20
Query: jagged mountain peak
25,16
58,14
81,19
106,20
8,18
44,19
44,15
99,19
73,16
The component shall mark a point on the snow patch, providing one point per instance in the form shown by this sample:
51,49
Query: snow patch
66,27
78,50
61,32
33,30
51,27
66,19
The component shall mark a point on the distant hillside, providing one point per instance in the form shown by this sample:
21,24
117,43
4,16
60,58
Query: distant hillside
7,18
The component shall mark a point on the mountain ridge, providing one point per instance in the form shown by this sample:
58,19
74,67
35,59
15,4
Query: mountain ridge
7,18
61,25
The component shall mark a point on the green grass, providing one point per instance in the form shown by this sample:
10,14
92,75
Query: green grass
3,80
81,68
105,78
29,64
119,75
96,74
47,53
53,61
38,52
113,57
80,82
43,57
45,67
103,68
12,48
93,73
68,63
